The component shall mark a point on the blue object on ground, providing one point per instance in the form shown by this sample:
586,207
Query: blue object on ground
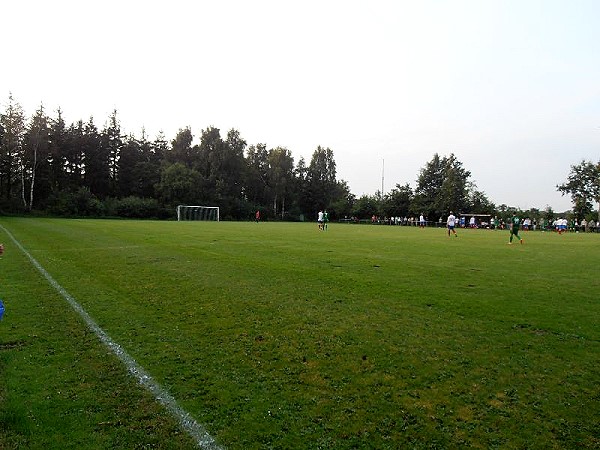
1,309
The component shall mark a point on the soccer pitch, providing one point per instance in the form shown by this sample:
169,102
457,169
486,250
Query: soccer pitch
278,335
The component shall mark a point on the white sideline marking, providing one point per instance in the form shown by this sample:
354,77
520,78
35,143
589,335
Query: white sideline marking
186,421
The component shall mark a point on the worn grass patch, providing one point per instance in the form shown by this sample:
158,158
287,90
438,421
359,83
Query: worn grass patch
279,336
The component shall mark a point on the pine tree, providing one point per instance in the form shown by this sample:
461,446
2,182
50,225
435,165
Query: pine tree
112,145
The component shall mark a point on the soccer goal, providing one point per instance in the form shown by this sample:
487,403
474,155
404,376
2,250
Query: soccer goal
187,212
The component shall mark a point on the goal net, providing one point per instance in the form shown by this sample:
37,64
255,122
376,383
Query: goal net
186,212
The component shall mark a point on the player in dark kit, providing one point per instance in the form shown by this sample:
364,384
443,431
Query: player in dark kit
514,228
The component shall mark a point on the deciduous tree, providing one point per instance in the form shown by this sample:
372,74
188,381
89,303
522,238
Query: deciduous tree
583,184
397,202
11,148
181,148
178,184
35,156
441,187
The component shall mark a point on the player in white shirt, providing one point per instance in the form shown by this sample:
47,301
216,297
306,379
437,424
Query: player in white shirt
472,222
450,223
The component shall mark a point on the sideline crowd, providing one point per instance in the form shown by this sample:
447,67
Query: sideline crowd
560,224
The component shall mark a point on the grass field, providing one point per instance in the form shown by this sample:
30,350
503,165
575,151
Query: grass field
276,335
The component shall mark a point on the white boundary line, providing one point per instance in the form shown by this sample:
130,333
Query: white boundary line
186,421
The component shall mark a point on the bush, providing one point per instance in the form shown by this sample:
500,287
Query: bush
138,208
79,203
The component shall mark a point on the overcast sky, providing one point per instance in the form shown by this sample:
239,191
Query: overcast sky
512,88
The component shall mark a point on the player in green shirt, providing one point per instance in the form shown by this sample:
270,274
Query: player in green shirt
514,228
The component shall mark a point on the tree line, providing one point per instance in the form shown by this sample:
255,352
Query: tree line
50,167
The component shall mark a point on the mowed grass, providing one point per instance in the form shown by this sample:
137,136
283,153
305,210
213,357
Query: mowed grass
276,335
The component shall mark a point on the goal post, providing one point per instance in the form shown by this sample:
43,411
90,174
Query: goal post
191,212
